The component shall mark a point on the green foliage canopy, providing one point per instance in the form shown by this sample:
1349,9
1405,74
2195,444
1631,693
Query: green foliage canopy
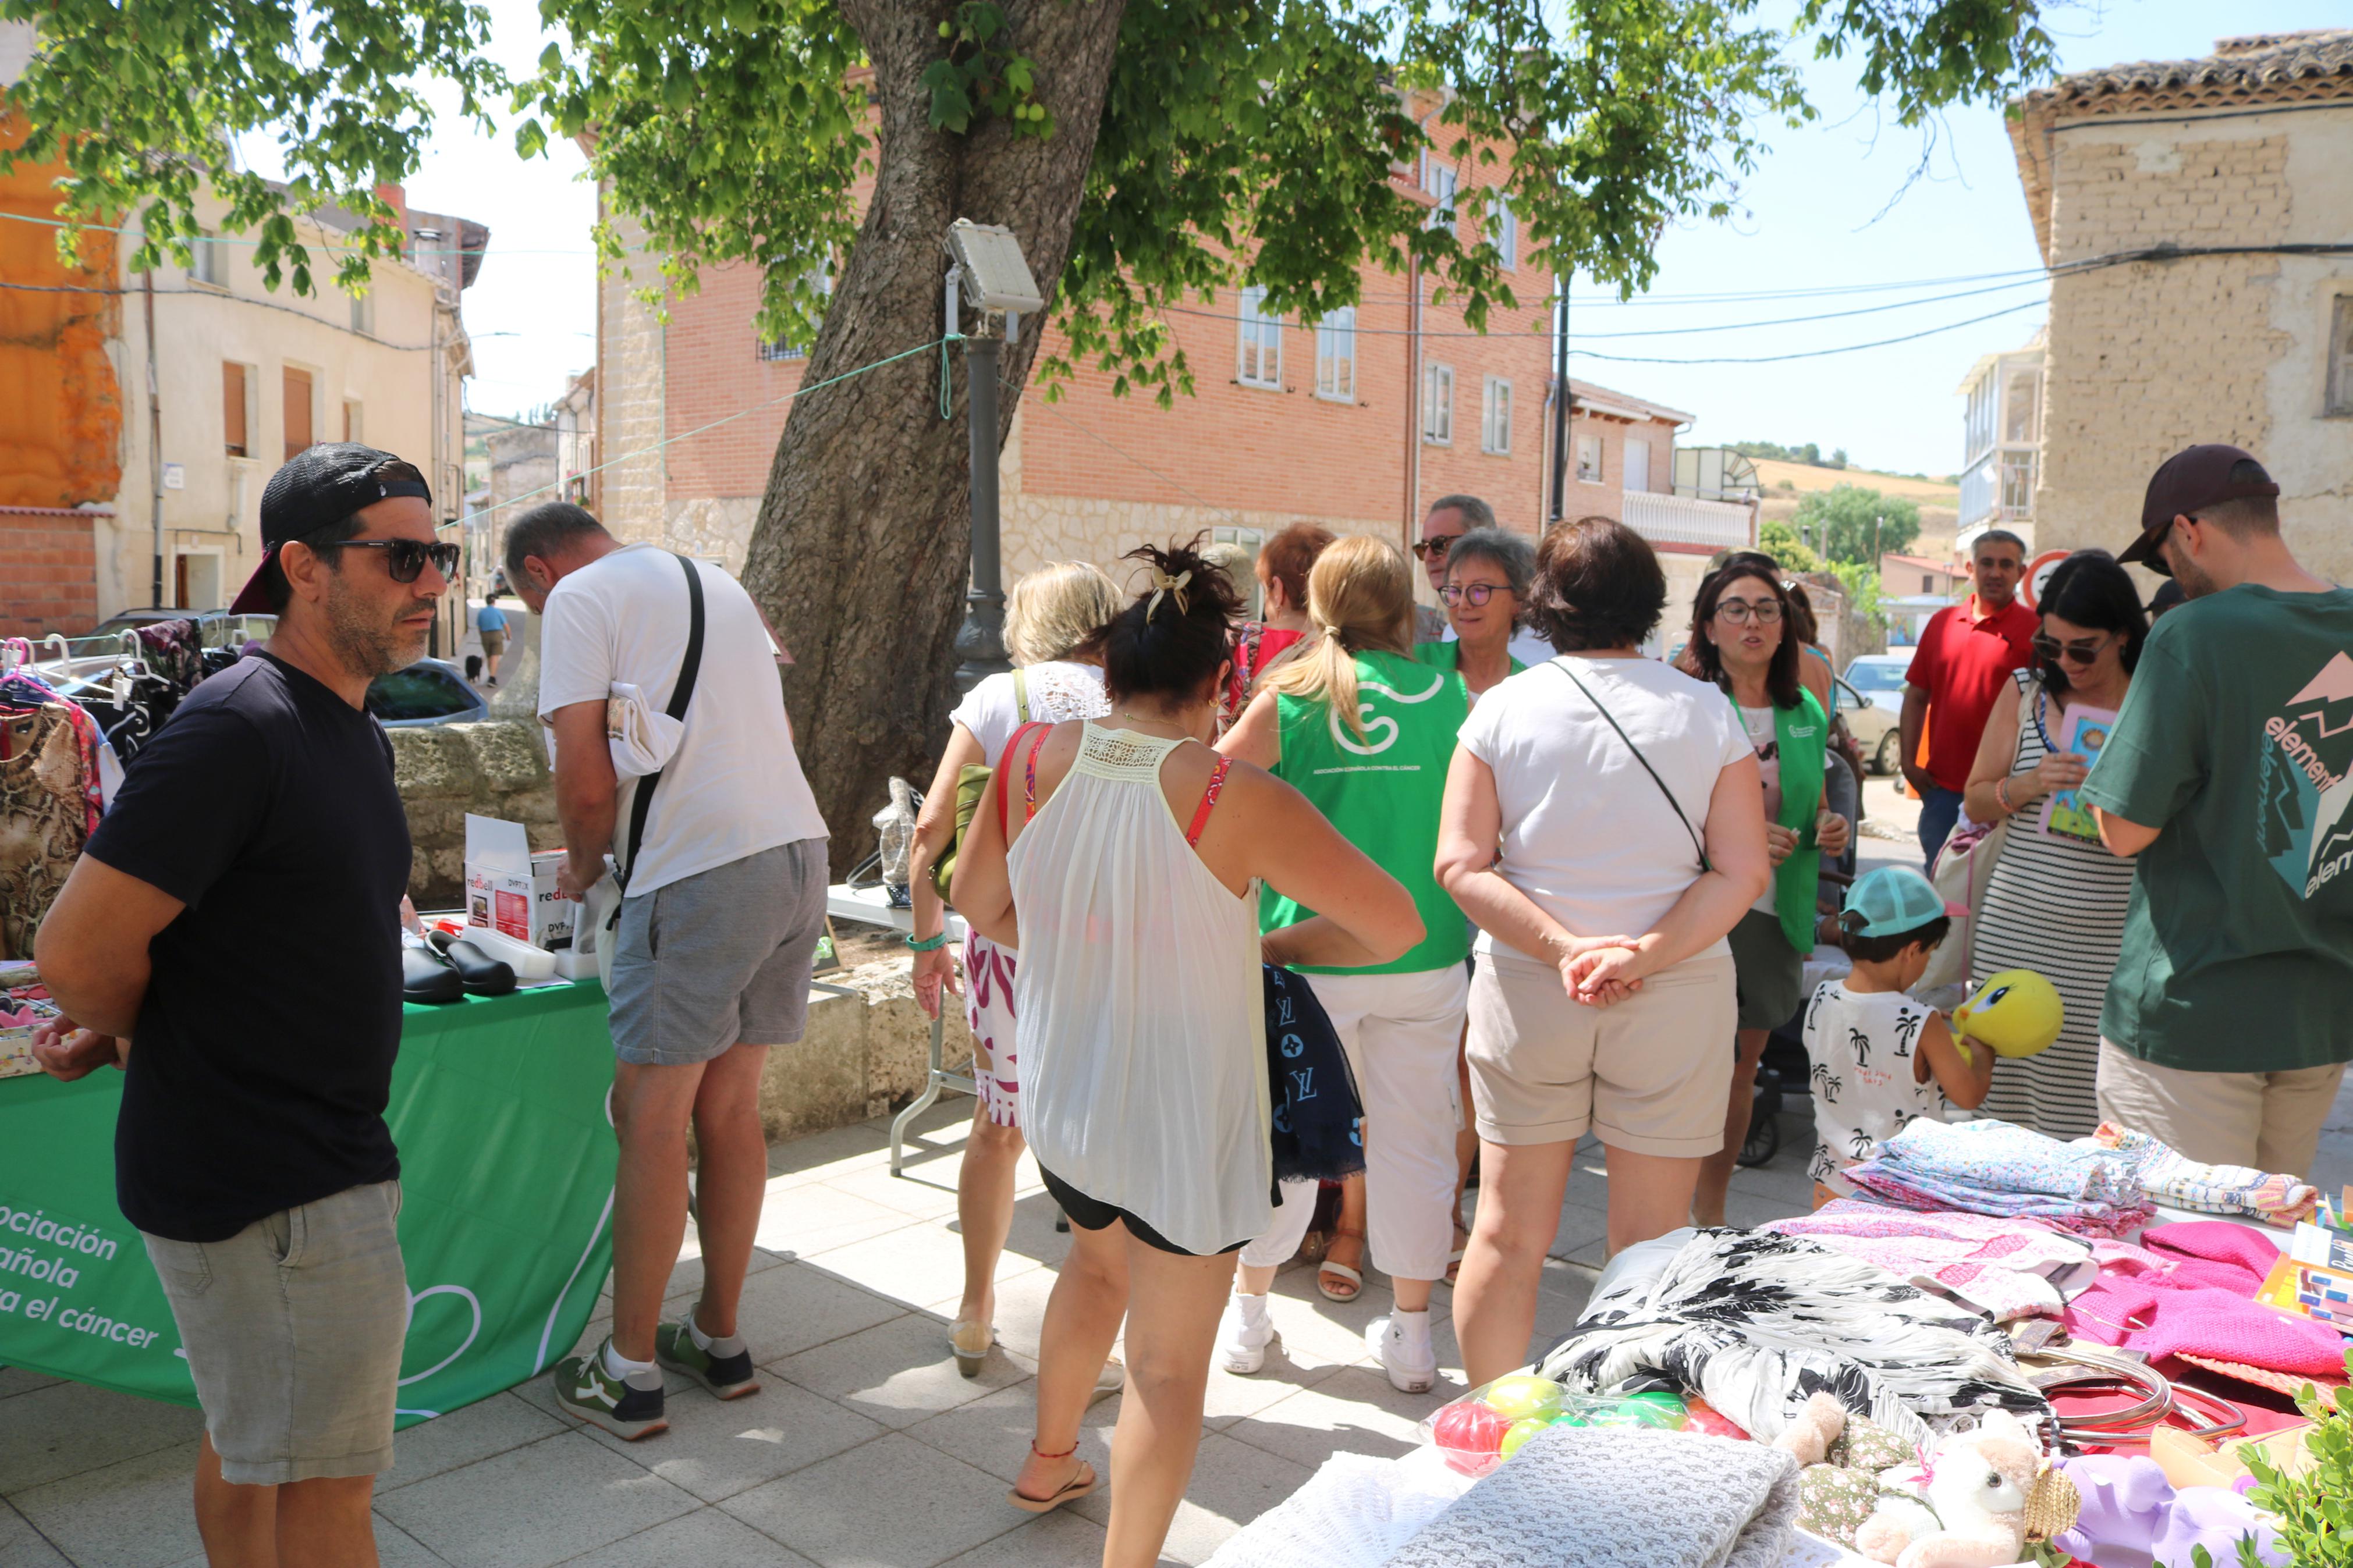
1780,540
1849,523
1241,140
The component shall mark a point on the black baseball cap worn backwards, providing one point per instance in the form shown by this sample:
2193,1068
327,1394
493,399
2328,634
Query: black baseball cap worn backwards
318,487
2186,484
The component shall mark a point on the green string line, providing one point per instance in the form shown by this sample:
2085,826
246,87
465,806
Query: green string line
941,344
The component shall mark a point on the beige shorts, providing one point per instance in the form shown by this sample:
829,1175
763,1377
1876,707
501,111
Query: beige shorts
293,1330
1648,1075
2271,1121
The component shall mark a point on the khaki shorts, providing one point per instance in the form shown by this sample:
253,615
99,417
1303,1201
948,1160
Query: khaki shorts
1648,1075
2271,1121
293,1330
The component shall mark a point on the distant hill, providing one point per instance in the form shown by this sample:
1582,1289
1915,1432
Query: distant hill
1784,478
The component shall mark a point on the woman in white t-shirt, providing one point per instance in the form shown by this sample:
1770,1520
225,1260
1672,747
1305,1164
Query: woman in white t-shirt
1604,826
1051,612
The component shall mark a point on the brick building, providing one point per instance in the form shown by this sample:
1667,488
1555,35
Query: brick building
1356,423
2236,161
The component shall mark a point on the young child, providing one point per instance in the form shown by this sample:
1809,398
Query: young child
1881,1058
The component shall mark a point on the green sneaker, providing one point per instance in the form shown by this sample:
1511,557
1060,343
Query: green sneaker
729,1377
584,1390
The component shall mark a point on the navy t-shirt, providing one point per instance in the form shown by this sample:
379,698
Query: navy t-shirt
262,1059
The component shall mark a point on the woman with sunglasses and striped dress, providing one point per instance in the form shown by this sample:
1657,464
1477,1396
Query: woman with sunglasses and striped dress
2055,901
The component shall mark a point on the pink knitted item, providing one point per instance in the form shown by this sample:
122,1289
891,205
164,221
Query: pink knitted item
2191,1289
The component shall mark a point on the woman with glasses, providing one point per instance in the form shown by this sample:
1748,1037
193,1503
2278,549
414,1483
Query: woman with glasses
1745,641
2055,902
1488,571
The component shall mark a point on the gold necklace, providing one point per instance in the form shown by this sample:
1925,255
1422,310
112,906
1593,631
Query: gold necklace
1141,719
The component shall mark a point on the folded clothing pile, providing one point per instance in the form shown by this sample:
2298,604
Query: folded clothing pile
2006,1269
1620,1499
1756,1322
2189,1289
2010,1172
2171,1178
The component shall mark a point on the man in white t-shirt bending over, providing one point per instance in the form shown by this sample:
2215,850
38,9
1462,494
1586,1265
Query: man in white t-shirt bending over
726,901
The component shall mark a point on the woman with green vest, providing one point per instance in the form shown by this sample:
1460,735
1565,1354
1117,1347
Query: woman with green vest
1746,642
1366,733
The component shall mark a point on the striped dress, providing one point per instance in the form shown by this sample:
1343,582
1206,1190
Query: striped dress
2054,905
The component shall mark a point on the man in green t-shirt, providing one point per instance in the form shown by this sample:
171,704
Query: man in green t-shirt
2229,777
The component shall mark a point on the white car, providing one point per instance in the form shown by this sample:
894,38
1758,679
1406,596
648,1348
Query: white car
1877,730
1879,678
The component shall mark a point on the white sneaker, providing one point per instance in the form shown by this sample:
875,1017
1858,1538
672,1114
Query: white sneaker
1243,1333
1400,1340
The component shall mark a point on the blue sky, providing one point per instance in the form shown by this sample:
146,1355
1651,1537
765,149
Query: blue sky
1815,215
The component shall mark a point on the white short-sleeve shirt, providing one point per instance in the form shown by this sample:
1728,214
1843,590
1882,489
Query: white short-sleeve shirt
1586,834
735,787
1059,690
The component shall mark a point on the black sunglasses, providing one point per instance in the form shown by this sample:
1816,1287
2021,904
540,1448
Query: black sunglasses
1426,548
405,558
2082,651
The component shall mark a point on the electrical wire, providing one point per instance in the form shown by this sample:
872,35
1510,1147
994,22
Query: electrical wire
1812,353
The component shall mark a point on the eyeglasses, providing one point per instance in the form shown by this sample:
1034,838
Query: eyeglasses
1738,611
1477,593
405,558
1429,549
2083,651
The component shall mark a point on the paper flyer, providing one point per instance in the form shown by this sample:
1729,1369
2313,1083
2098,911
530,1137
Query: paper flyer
2084,732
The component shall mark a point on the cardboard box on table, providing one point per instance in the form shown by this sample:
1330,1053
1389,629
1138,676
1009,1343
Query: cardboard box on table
512,889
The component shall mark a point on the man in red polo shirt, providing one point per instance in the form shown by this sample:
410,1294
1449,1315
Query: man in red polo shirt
1964,661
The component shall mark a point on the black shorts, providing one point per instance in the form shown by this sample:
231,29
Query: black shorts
1089,1214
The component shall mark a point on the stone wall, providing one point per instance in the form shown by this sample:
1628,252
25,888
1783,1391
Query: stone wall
861,1057
443,770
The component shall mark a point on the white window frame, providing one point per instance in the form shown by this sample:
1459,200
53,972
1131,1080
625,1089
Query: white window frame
1507,232
364,314
1258,341
1441,182
1592,475
207,261
2338,400
1336,355
1496,417
1626,474
771,350
1437,404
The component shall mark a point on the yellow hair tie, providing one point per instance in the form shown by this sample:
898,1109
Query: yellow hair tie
1164,585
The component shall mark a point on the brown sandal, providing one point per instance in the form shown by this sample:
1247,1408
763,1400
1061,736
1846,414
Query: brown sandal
1080,1483
1353,1277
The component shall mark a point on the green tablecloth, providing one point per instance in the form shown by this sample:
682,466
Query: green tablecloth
499,1110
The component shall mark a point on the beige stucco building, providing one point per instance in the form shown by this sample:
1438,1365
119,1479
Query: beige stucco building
2198,219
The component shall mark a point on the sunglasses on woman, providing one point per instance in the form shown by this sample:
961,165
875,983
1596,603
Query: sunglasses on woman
2082,651
1474,594
405,558
1433,548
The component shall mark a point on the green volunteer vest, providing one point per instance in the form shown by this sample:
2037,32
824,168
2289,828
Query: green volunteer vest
1804,738
1382,792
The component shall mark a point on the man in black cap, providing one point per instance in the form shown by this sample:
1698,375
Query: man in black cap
237,912
2229,777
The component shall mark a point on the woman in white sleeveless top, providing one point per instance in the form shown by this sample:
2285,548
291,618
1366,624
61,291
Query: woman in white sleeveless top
1130,888
1050,614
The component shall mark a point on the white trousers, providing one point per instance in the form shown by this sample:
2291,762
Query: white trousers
1401,1032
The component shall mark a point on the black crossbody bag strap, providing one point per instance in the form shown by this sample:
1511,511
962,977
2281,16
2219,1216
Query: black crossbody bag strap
683,694
1696,847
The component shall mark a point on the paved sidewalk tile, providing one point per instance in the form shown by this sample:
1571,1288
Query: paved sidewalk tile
717,1447
994,1433
893,1501
910,1264
65,1428
135,1513
15,1379
462,1436
797,1307
534,1506
1232,1484
817,1216
707,1538
1058,1539
21,1545
899,1372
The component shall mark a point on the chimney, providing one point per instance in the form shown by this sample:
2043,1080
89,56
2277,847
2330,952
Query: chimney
399,198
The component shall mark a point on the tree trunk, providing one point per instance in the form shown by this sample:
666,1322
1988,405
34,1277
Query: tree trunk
864,542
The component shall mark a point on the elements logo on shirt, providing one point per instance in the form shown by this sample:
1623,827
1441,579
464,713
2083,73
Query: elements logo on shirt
2306,782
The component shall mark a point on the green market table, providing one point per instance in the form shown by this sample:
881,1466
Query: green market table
501,1109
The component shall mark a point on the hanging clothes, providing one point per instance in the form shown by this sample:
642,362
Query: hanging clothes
44,819
175,652
24,691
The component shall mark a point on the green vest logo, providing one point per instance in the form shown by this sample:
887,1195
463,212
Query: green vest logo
1376,724
2306,782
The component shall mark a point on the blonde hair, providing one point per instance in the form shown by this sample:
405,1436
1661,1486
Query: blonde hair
1056,608
1360,599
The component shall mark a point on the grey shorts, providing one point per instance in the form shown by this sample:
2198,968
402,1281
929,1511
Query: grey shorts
293,1330
718,958
1771,974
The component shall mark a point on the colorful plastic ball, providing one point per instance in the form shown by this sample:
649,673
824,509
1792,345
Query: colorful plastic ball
1662,1411
1701,1416
1520,1396
1470,1435
1519,1432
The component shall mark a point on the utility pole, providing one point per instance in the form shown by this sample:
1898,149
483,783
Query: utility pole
1560,407
990,276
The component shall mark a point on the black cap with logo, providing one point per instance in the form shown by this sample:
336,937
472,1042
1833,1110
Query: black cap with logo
2186,484
318,487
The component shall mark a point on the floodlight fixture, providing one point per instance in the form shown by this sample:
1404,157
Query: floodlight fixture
995,278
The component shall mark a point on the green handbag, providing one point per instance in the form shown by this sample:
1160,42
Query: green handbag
972,779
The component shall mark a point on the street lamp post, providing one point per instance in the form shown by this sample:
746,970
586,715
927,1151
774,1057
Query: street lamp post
989,276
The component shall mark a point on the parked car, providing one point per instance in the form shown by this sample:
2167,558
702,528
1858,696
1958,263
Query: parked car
1879,678
216,628
1876,731
430,692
